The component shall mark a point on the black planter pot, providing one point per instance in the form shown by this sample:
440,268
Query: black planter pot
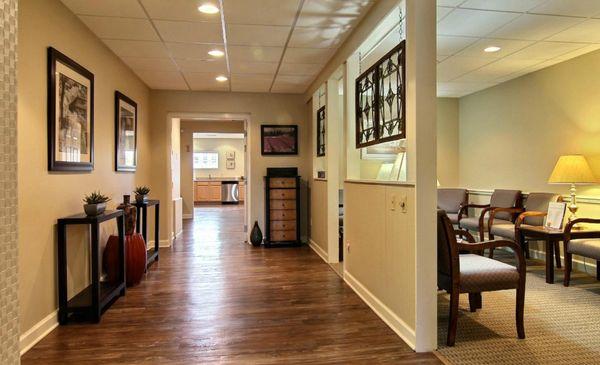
256,235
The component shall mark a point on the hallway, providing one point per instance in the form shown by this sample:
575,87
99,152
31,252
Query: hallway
219,300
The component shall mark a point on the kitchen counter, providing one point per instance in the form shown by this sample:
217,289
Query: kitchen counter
217,179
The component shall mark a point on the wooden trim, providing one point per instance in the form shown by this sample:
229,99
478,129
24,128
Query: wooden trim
38,331
318,250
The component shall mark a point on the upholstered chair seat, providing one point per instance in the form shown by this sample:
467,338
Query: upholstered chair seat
479,274
588,248
472,223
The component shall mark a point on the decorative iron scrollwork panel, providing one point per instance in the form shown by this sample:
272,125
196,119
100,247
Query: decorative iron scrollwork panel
381,100
321,132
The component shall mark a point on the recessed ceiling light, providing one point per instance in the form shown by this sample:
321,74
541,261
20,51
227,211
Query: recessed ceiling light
208,8
221,78
216,53
492,49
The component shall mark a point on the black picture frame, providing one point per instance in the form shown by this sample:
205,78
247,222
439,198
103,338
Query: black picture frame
285,147
321,132
122,98
55,57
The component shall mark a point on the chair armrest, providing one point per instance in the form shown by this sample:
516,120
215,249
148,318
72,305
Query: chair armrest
465,234
531,213
465,207
479,247
572,223
494,211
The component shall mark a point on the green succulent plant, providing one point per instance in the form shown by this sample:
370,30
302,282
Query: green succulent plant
142,190
96,198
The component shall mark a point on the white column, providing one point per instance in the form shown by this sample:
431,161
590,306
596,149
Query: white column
421,129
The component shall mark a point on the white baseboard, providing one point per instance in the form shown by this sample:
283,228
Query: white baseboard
176,236
36,333
187,216
161,243
318,250
406,333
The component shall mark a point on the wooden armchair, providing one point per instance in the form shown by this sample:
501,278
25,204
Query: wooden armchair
587,246
536,207
451,201
474,274
500,199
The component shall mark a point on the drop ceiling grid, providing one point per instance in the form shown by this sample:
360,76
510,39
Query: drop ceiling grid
509,64
166,42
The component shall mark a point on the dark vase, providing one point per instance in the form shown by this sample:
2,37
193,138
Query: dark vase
130,213
256,235
135,259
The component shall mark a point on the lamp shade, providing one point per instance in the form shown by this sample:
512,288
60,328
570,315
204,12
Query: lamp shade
572,169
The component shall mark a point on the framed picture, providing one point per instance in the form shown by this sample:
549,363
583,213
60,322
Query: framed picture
321,132
70,114
279,139
125,133
230,155
230,164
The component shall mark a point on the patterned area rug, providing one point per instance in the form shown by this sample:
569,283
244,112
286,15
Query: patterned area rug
562,325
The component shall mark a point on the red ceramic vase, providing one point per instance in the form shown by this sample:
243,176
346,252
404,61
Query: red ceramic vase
135,258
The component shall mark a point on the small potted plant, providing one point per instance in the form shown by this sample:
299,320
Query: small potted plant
141,193
95,203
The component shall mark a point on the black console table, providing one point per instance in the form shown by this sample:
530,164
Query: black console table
142,207
92,301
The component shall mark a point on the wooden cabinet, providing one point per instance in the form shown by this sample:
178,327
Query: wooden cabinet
241,191
282,195
207,191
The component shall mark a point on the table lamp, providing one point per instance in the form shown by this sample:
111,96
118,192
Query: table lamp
574,170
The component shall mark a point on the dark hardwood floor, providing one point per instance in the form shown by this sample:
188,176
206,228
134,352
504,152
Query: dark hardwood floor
214,299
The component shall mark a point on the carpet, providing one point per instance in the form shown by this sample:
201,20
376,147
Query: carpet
562,325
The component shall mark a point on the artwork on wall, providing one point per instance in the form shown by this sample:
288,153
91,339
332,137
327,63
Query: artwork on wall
125,133
321,132
230,164
279,139
230,155
381,100
70,114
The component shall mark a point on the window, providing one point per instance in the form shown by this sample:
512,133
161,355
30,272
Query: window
206,160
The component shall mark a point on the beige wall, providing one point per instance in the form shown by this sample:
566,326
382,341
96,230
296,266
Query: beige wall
318,214
262,108
44,196
447,141
512,134
222,146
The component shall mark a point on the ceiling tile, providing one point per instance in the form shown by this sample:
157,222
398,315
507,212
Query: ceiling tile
442,12
496,70
178,10
454,67
534,27
125,48
291,84
205,81
308,55
194,51
449,45
588,31
546,50
163,80
301,69
507,46
581,51
317,37
263,68
190,32
257,35
260,12
473,23
502,5
583,8
118,8
254,54
150,64
251,83
328,13
458,89
121,28
213,66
